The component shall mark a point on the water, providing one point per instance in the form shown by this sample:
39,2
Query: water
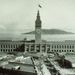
52,37
32,36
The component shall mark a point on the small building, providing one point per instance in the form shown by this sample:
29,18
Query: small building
18,66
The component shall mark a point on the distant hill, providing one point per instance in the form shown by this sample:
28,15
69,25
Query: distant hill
51,31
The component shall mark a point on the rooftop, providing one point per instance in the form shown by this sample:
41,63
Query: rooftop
19,63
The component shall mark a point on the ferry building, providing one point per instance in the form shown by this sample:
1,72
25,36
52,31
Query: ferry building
37,45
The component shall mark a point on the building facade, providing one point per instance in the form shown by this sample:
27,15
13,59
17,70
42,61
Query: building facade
37,45
64,46
10,46
40,46
30,46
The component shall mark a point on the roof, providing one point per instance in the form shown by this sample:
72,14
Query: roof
24,64
24,68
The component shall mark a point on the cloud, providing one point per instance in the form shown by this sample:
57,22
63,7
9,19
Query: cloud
16,15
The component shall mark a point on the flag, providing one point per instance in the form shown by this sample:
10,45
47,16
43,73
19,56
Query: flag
39,6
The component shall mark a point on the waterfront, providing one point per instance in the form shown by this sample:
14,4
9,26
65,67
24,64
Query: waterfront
52,37
57,37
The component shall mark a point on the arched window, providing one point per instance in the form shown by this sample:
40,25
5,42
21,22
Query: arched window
70,46
1,46
1,50
67,50
55,46
64,50
72,50
67,46
60,46
57,50
54,50
73,46
9,46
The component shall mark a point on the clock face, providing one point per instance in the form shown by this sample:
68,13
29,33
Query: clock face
38,30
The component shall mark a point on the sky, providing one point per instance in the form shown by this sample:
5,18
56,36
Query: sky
18,16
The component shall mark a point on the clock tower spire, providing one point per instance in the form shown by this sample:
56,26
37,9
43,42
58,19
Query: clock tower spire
38,29
38,20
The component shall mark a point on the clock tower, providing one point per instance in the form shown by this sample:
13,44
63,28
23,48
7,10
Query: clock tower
38,29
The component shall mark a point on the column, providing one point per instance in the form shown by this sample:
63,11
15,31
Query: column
29,48
40,47
35,48
46,48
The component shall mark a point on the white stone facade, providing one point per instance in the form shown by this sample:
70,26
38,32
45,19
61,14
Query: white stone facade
51,47
9,46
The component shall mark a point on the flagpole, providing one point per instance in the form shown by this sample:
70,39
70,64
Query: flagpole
39,4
